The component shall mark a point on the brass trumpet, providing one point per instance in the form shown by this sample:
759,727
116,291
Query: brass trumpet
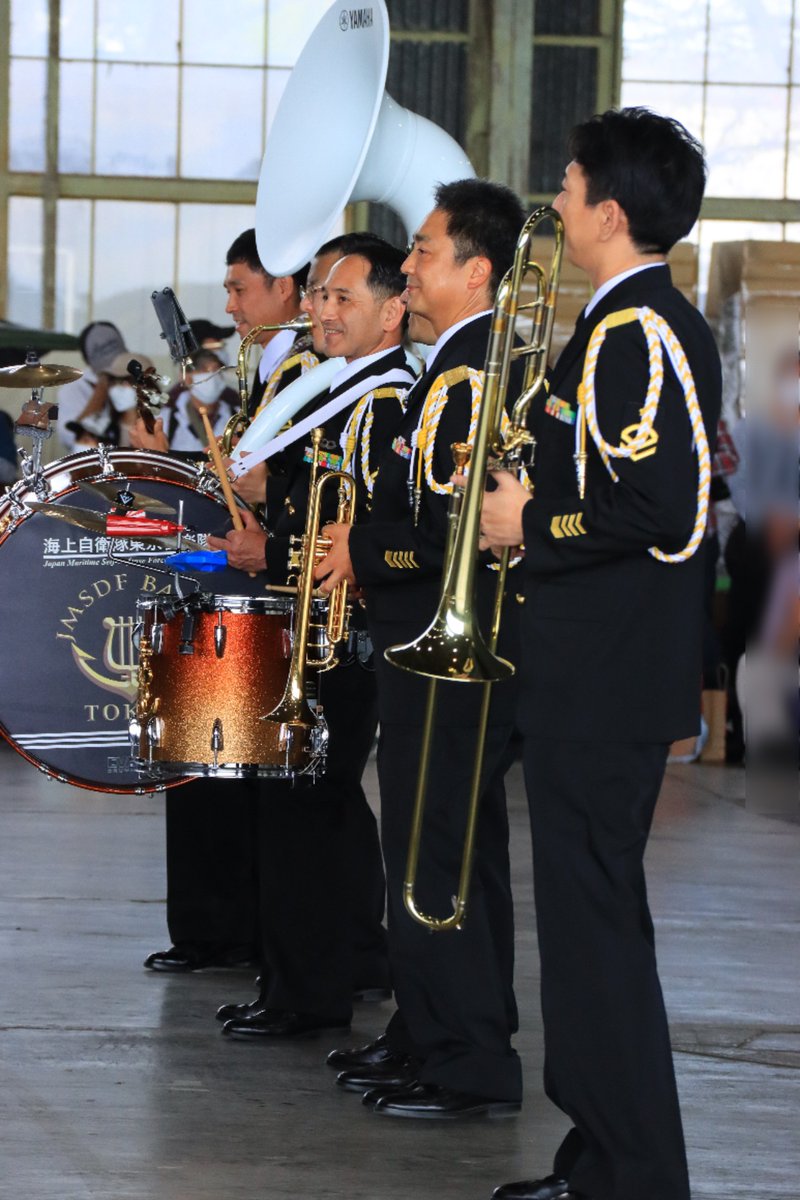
240,420
293,712
453,647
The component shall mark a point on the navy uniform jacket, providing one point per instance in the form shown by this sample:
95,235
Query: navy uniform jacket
301,358
399,563
611,636
387,411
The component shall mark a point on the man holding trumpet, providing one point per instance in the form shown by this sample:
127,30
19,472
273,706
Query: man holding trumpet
320,876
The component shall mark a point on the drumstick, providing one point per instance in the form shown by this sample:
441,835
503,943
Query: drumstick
219,467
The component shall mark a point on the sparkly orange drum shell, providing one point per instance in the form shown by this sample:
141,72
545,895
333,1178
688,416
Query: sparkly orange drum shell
211,681
68,612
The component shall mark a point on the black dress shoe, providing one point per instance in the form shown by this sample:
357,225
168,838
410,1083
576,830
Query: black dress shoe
371,1098
550,1188
191,956
394,1072
361,1056
431,1102
271,1024
371,995
235,1012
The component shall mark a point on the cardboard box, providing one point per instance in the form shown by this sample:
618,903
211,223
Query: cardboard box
753,269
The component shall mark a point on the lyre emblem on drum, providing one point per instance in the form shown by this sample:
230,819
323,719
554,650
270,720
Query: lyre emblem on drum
119,656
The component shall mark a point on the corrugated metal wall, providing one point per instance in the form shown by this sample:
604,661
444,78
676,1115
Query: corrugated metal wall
429,62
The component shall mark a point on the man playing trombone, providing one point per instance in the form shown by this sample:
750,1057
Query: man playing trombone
447,1051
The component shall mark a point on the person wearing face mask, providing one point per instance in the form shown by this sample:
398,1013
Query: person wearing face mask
85,414
208,388
122,393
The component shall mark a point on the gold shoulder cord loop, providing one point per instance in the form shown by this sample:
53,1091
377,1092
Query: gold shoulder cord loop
658,334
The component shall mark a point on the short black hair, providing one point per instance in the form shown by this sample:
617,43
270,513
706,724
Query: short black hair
483,219
385,278
350,243
650,164
243,249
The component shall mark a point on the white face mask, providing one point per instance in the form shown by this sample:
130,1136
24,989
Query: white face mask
208,386
122,397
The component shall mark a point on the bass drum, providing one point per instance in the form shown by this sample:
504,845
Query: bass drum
68,677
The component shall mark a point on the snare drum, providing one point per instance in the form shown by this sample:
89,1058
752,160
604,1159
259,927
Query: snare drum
210,671
68,613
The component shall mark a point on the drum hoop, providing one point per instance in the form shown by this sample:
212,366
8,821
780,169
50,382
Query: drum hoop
157,468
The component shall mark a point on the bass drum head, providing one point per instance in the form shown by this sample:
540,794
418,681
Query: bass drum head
68,613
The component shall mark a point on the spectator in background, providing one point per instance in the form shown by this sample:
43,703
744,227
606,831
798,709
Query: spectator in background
85,413
122,395
761,558
8,451
205,386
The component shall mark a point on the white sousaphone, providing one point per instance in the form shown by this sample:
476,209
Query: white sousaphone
337,137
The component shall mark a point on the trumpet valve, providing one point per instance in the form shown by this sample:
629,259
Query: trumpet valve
295,562
322,547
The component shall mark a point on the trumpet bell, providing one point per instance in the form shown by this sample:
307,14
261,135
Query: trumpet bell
441,653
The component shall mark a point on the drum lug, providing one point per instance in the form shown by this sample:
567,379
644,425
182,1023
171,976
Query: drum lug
135,737
32,478
319,737
152,732
220,636
217,740
206,480
156,637
106,465
186,645
317,747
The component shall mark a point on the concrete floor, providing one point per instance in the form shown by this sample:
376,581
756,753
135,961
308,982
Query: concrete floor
115,1082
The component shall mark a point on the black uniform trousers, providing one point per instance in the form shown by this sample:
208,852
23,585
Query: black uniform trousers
608,1063
320,872
454,990
212,883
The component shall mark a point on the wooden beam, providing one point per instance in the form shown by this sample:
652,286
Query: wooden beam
123,187
50,177
5,94
499,84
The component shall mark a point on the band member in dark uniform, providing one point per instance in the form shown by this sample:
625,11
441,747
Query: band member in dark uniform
257,298
212,884
611,636
320,871
447,1052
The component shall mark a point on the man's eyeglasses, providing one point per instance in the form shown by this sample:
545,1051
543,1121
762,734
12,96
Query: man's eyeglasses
312,294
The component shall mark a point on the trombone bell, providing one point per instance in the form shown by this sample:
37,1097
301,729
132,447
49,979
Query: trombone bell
443,654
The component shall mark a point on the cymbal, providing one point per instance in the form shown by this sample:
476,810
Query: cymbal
82,517
37,375
110,491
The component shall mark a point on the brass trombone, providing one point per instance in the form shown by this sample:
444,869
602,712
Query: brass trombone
453,647
293,712
240,420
